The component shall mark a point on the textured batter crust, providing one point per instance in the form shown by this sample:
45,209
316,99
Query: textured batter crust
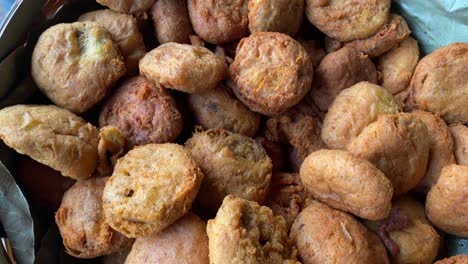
283,16
171,21
135,7
458,259
460,138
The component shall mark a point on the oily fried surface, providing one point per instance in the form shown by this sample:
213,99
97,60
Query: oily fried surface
135,7
283,16
171,21
460,139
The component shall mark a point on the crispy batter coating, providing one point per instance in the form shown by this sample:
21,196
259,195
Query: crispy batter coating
152,186
52,136
111,147
440,83
144,111
398,145
446,203
84,65
352,110
348,183
458,259
135,7
407,234
171,21
337,71
440,148
118,257
184,242
232,164
245,232
125,33
325,235
345,20
460,138
283,16
219,108
183,67
273,72
219,22
81,222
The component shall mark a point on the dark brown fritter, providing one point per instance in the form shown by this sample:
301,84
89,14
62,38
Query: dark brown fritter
171,21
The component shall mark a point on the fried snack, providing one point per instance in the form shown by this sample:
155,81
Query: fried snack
81,222
232,164
282,16
440,83
337,71
352,110
171,21
324,235
187,68
125,33
346,21
111,147
460,139
287,197
52,136
348,183
398,145
219,108
314,50
135,7
440,148
84,64
387,37
446,203
144,111
152,186
219,22
396,67
118,257
406,233
184,242
458,259
245,232
273,72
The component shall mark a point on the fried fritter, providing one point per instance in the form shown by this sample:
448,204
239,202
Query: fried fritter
283,16
135,7
171,21
460,139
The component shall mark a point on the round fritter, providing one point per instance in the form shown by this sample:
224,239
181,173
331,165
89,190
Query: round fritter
219,108
406,233
84,64
447,203
152,186
337,71
81,222
440,147
171,21
396,67
324,235
183,67
387,37
232,164
440,83
52,136
283,16
398,145
347,20
144,111
347,183
273,72
135,7
219,22
184,242
458,259
352,110
460,139
245,232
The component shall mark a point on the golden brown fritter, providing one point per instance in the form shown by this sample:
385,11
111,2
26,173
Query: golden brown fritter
81,221
273,72
460,139
283,16
337,71
440,83
325,235
144,111
244,232
458,259
184,242
111,147
52,136
183,67
135,7
219,22
152,186
232,164
446,202
171,21
83,67
348,183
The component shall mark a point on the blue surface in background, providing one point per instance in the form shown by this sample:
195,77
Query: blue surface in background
5,6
